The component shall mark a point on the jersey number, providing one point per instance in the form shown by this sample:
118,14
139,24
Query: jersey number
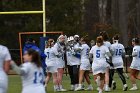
38,77
98,53
119,52
87,52
48,55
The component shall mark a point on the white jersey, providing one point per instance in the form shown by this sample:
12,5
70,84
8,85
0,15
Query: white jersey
76,46
85,53
99,53
32,78
71,59
4,56
118,51
107,44
136,60
51,56
99,64
60,61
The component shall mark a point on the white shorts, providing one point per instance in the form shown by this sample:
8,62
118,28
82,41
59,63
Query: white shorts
85,66
38,89
3,82
60,64
135,65
99,68
51,69
117,65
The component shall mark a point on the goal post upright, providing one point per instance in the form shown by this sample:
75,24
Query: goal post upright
32,33
44,16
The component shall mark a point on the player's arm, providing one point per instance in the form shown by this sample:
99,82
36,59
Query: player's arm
57,53
7,61
108,58
123,52
134,53
91,57
7,66
17,69
112,50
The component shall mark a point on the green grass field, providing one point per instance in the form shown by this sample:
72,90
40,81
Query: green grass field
15,85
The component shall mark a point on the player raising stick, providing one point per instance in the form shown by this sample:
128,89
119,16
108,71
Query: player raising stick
85,64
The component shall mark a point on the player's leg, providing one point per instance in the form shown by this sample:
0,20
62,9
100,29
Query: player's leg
70,71
87,77
81,76
106,80
55,82
137,75
102,77
111,75
48,78
76,75
120,73
133,79
59,77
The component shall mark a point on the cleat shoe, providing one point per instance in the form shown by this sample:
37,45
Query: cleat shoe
125,87
114,85
90,88
78,88
72,88
62,90
107,89
133,88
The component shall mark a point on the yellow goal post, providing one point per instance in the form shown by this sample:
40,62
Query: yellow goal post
43,12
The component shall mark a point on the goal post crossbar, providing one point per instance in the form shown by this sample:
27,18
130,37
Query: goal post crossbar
43,12
32,33
21,12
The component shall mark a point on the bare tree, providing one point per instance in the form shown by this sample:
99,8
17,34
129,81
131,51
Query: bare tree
102,10
138,17
123,6
115,13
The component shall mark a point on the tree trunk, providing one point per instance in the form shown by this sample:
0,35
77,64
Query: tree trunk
138,17
123,6
115,13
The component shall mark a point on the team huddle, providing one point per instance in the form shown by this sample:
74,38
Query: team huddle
101,57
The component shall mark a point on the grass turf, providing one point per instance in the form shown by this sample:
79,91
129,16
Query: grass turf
15,85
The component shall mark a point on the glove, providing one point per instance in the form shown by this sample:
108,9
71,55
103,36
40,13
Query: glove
110,63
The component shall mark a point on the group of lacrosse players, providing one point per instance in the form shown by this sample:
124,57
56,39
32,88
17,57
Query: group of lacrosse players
101,58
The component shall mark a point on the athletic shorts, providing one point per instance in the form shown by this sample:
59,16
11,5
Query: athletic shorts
51,69
99,68
85,66
61,64
135,65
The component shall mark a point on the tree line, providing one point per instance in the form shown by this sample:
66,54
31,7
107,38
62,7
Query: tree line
83,17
